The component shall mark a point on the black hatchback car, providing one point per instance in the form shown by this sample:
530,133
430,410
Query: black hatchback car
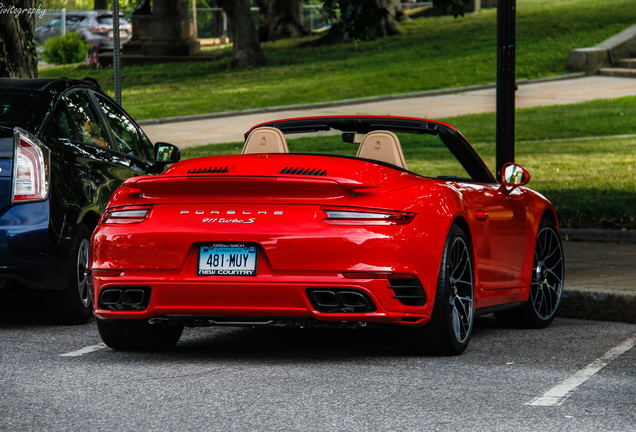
65,146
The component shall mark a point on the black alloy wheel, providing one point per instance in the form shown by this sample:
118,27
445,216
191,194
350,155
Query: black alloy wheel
75,304
546,286
449,330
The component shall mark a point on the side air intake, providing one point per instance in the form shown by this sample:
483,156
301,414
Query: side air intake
408,291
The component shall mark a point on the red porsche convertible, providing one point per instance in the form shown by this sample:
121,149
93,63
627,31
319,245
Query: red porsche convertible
352,237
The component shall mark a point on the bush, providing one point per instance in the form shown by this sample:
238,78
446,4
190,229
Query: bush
69,48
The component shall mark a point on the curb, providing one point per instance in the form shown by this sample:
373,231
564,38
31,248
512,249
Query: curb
598,235
598,306
345,102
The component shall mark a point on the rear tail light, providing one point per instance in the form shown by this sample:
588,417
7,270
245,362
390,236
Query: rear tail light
31,168
359,216
126,215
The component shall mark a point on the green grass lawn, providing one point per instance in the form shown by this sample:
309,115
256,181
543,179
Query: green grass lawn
581,156
432,53
591,181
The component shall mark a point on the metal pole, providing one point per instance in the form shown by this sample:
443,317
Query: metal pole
116,53
63,21
194,18
506,86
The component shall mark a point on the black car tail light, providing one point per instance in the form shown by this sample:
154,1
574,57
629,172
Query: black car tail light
31,168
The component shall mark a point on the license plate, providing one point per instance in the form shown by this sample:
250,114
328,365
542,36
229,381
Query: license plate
228,260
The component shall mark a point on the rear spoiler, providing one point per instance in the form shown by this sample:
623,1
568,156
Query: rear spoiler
224,188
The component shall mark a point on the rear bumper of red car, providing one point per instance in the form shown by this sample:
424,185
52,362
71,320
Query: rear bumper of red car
210,300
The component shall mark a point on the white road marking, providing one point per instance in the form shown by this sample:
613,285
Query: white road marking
557,395
85,350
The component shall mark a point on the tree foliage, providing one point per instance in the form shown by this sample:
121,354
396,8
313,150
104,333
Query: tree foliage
361,19
370,19
69,48
86,4
454,7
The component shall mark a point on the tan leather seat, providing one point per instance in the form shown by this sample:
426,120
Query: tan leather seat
382,146
265,140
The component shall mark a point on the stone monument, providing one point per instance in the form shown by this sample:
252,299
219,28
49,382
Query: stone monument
161,32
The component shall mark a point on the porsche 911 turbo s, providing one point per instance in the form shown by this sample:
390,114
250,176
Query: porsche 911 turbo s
349,237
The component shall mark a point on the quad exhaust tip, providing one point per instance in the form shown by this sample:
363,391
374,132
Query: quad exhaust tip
124,298
334,300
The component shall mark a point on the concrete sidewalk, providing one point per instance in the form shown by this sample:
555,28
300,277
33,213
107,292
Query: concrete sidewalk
188,131
600,279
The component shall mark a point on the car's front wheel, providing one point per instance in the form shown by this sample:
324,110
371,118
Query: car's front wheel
546,287
138,335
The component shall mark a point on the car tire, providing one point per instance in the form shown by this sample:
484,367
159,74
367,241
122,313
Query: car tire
138,335
74,305
449,330
546,287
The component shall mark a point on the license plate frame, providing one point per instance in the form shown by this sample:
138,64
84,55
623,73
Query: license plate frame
227,259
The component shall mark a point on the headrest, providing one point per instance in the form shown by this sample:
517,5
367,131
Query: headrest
265,140
382,146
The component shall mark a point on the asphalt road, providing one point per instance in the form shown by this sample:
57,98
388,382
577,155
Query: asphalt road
574,376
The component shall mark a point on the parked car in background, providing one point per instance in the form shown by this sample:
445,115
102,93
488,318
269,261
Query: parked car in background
360,234
95,27
65,146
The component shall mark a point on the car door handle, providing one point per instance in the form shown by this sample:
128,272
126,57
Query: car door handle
481,215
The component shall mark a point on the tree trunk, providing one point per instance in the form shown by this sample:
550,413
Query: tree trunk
388,25
101,4
280,19
17,40
246,50
362,19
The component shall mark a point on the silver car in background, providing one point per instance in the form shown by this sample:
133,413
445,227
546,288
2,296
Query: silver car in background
95,27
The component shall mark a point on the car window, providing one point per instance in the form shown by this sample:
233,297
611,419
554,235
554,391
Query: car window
148,147
108,20
86,120
125,134
58,126
55,22
427,155
64,122
13,106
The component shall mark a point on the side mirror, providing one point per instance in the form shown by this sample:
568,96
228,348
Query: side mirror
166,154
514,175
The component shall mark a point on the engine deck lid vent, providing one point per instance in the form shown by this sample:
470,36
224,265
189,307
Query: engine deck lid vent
304,171
209,170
